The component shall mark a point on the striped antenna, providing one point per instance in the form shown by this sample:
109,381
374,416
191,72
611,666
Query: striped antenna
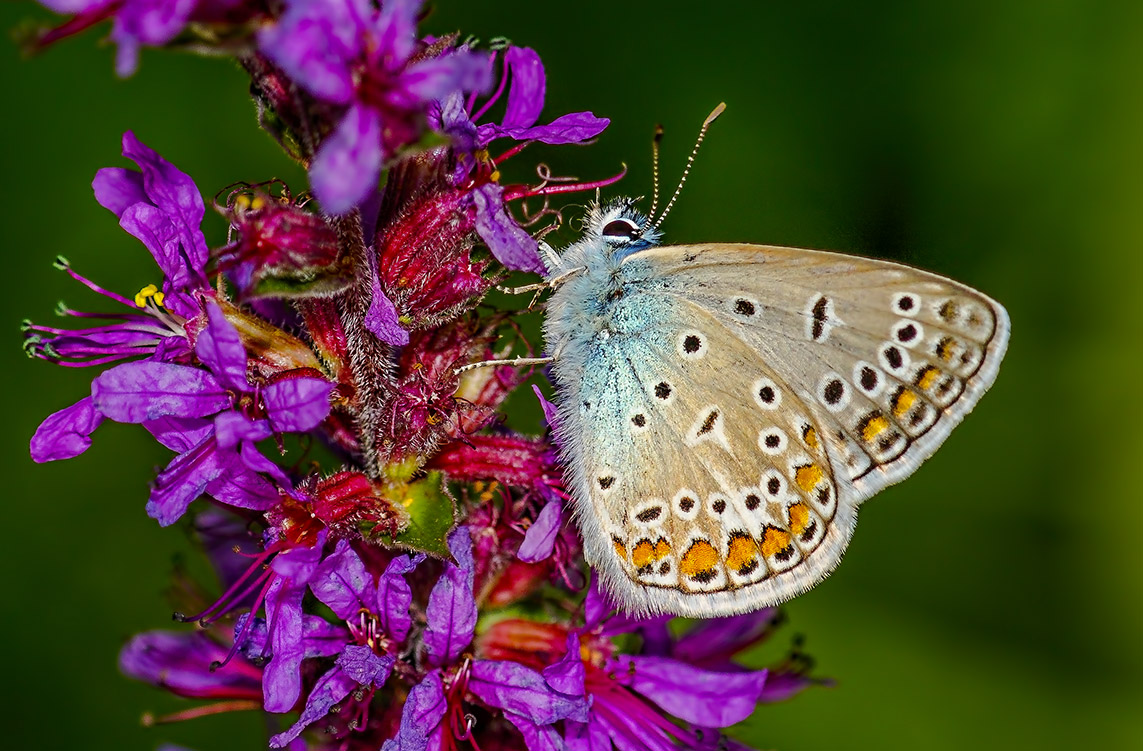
690,162
655,141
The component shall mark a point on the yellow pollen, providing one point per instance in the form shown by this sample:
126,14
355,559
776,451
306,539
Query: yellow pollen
257,202
874,427
774,542
810,437
799,518
700,558
928,378
743,552
904,402
808,476
150,292
495,176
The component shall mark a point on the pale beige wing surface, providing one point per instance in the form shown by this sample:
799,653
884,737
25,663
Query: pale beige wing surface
750,398
709,487
889,357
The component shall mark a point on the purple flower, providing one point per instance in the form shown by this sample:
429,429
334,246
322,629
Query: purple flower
511,244
213,417
348,53
140,23
162,208
377,619
181,663
532,700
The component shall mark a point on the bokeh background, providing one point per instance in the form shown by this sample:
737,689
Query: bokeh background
993,601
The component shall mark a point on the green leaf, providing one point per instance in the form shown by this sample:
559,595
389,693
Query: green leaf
432,515
300,284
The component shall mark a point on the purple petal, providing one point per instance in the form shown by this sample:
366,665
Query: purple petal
152,22
254,459
507,240
140,391
452,119
395,29
425,707
282,682
382,320
574,127
551,411
117,189
220,348
366,667
451,610
316,42
185,479
331,688
587,736
526,95
567,674
342,582
536,737
180,663
150,226
174,193
296,405
231,428
698,696
394,597
242,488
782,685
178,433
713,641
436,78
69,7
541,536
348,162
66,433
518,689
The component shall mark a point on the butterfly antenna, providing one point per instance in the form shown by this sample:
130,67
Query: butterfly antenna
690,162
655,141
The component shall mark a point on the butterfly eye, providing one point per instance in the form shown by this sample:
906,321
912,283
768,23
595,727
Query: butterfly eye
621,229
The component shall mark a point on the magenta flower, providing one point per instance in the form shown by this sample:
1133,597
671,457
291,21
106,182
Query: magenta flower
218,454
141,23
350,54
162,208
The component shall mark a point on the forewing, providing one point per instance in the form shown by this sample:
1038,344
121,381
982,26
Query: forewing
889,358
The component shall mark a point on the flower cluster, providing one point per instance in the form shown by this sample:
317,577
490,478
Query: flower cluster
424,589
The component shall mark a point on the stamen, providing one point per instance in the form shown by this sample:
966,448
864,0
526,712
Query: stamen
64,265
238,705
512,192
496,95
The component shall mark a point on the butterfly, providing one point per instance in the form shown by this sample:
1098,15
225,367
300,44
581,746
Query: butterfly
724,409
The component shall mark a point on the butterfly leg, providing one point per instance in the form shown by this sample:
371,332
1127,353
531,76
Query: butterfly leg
514,361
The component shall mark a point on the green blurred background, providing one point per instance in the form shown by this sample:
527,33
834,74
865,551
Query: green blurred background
995,600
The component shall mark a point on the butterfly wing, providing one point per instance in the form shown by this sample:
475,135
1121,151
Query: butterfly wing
743,400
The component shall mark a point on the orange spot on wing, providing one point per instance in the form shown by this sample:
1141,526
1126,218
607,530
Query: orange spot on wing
799,518
945,348
645,553
928,377
620,548
808,476
774,541
904,402
701,559
743,552
810,436
873,427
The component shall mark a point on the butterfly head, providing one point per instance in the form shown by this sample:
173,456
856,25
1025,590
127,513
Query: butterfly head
620,228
